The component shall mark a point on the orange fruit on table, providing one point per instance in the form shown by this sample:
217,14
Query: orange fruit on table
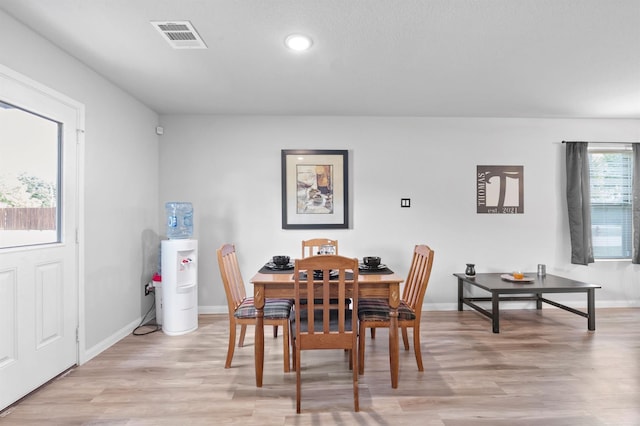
518,275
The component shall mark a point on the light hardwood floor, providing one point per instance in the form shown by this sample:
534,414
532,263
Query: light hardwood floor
544,368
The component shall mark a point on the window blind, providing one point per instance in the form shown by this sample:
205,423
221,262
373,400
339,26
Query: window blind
611,174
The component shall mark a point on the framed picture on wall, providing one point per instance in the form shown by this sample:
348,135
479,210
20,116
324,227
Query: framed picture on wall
315,189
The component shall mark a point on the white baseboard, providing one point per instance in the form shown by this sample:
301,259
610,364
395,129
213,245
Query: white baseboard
105,344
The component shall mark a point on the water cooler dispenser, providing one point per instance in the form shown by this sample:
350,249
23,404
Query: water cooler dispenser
179,286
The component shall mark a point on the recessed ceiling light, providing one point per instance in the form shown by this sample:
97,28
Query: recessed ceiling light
298,42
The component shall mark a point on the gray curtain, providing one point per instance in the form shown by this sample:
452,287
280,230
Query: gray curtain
636,203
579,203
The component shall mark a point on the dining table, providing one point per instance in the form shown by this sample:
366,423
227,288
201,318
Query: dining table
381,283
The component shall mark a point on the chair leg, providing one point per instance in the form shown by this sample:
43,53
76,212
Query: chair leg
416,346
293,346
275,331
298,379
285,347
405,338
232,344
294,361
362,335
356,397
243,331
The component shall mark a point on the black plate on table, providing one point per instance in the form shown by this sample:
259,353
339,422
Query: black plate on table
364,267
274,267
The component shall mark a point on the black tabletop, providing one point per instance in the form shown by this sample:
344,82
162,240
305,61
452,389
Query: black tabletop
547,284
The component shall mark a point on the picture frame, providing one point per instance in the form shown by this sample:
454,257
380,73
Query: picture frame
315,189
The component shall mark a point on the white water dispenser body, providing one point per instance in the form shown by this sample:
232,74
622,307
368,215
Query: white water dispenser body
179,286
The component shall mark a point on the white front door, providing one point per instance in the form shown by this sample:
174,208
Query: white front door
39,269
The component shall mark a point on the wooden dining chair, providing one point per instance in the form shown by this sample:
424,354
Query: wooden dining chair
242,311
312,247
318,326
374,313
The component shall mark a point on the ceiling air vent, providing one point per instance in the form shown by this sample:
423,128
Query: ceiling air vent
179,34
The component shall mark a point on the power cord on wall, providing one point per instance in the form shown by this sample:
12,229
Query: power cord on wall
142,323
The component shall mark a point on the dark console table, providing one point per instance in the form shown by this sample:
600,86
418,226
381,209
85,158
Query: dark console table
503,290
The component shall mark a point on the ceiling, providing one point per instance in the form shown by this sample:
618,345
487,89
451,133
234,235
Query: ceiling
474,58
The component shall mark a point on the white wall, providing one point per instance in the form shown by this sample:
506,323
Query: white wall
229,167
121,183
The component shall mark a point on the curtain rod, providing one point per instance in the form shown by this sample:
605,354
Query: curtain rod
598,142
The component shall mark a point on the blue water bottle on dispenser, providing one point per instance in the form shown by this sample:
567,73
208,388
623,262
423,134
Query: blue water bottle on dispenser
179,220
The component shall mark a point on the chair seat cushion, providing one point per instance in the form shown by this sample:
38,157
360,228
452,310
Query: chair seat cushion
378,310
273,308
318,317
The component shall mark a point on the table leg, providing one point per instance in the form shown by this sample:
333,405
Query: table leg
460,293
394,361
495,311
258,300
538,300
591,309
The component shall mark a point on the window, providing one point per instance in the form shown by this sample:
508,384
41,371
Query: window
611,177
29,178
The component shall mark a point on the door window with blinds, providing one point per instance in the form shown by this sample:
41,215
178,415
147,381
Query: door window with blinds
29,178
611,177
